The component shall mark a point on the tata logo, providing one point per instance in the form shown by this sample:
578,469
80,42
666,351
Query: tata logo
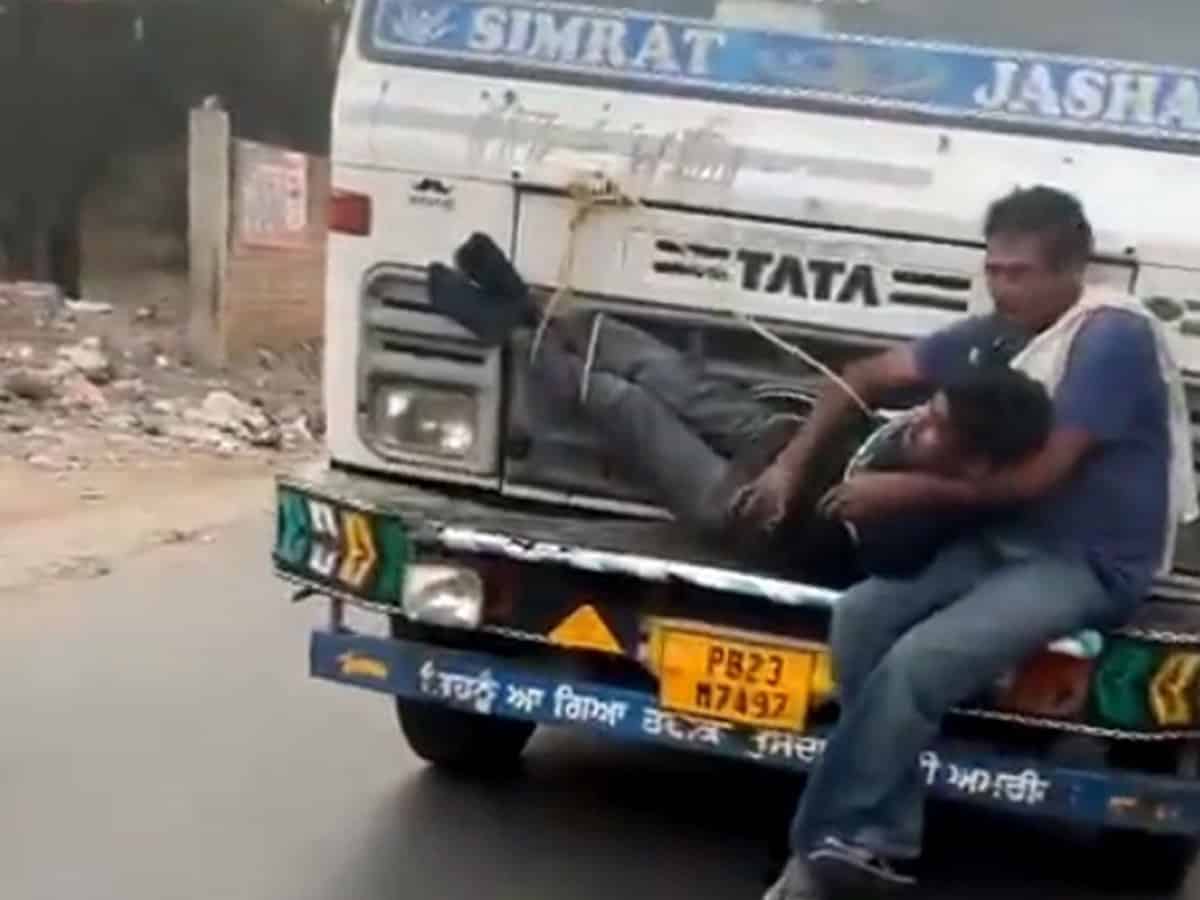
432,192
808,277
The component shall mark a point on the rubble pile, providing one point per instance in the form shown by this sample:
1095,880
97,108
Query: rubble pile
67,402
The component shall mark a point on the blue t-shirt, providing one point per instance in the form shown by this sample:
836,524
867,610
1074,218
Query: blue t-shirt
974,342
1112,510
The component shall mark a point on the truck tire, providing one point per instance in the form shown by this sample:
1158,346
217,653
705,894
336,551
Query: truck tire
461,742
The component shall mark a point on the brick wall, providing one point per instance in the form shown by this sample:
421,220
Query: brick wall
257,243
274,288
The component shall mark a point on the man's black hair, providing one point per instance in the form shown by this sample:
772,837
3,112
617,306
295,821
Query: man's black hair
999,414
1054,215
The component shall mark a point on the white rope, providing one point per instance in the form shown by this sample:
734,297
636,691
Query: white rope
590,360
586,197
589,194
772,338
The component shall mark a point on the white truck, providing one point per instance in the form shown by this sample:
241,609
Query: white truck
819,168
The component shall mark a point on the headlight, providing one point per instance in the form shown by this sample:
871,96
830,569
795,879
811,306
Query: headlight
450,596
426,419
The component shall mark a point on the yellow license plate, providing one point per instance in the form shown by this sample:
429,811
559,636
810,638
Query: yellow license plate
739,681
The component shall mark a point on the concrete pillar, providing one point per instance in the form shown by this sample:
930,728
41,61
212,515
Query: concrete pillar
209,222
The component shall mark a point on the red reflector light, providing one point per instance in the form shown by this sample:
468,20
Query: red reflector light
350,213
1050,685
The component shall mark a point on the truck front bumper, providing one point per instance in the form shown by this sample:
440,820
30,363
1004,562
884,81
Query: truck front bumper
491,685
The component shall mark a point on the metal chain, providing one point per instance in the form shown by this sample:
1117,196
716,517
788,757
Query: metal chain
388,609
1151,635
516,634
1115,734
1156,636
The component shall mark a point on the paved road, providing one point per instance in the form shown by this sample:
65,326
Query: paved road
159,741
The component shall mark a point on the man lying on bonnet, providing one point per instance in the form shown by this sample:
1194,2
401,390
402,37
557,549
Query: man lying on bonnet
694,439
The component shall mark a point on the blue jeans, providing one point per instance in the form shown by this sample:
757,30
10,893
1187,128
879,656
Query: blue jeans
905,652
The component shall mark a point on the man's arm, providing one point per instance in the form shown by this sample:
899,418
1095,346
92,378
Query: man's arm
873,496
870,379
929,360
765,500
1113,363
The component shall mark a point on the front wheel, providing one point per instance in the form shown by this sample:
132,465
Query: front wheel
462,742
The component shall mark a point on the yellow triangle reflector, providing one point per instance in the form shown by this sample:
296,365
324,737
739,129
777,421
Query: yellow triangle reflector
585,630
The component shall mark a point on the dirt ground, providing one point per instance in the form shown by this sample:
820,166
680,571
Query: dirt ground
85,524
112,442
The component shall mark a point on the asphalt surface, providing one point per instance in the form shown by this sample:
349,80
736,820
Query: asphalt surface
160,739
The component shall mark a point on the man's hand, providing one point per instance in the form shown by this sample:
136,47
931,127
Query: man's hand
764,501
869,496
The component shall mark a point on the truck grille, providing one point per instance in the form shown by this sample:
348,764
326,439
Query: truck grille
818,280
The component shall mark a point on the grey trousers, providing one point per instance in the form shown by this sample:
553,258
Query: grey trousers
675,427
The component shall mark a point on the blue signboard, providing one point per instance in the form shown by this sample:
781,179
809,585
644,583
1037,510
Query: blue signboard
871,72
